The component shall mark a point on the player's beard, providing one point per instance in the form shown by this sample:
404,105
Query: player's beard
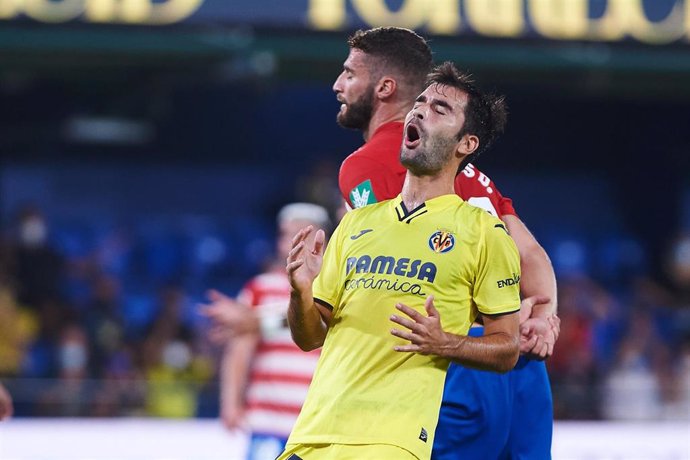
358,113
428,160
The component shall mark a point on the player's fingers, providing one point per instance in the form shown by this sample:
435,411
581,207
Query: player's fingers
409,336
430,308
408,348
301,235
206,310
411,312
411,325
530,302
294,265
319,241
295,251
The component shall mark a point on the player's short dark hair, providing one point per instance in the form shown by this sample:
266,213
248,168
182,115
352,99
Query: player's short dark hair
398,49
486,114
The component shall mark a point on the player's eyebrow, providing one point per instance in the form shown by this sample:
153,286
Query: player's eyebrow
439,102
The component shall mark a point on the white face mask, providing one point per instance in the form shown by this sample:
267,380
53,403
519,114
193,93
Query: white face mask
177,355
72,356
33,232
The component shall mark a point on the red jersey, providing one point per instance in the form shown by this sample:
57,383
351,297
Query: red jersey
373,173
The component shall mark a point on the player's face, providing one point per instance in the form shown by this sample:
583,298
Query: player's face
355,91
287,231
431,129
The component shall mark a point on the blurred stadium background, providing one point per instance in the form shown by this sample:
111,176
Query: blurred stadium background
145,147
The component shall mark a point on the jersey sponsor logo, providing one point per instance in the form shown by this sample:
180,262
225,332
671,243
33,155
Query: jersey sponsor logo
362,195
441,241
371,282
509,281
361,232
390,265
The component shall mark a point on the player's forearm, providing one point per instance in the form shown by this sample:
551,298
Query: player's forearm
306,324
538,278
497,352
234,371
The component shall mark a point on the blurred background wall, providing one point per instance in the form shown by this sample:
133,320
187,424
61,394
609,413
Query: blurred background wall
145,148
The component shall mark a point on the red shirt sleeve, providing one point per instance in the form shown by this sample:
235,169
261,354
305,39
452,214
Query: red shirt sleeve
478,189
361,174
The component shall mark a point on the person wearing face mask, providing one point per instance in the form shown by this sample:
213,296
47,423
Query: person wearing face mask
37,266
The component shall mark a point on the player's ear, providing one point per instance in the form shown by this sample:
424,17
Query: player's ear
467,145
386,87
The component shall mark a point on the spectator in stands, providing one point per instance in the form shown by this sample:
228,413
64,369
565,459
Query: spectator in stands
173,367
38,268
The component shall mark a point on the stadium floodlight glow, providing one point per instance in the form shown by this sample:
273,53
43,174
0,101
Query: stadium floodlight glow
107,130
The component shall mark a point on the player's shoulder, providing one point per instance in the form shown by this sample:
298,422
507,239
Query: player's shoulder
479,217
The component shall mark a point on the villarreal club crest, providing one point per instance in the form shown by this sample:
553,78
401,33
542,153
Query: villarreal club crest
442,241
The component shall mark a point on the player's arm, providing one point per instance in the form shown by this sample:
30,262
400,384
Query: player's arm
6,408
497,350
538,277
308,320
235,366
539,327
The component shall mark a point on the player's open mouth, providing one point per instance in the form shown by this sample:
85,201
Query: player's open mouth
412,136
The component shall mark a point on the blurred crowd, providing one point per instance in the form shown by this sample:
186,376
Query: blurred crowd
75,342
70,345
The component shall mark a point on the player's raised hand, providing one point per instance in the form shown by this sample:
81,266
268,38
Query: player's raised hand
425,334
305,258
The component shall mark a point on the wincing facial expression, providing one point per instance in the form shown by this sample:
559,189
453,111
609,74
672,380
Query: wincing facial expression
431,129
355,91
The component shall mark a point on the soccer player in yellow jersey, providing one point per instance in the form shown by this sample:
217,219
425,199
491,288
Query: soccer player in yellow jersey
395,293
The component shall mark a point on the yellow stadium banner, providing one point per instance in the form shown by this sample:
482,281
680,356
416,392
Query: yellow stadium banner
647,21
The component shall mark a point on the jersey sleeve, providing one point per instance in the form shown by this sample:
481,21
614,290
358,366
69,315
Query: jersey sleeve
479,190
497,285
326,288
364,181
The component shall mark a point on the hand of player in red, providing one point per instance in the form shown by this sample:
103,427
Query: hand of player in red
303,262
425,334
537,334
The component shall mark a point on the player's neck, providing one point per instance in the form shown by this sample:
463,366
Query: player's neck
385,113
418,189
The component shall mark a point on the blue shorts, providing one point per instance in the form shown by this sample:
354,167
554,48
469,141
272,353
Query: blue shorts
265,446
492,416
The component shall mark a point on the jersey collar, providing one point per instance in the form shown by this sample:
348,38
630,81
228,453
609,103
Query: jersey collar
406,216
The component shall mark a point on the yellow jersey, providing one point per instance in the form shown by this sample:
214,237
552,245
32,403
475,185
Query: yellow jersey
364,392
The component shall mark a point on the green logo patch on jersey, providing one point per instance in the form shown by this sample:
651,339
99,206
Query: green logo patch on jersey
362,195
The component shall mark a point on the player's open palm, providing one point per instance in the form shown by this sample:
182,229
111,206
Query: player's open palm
305,258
